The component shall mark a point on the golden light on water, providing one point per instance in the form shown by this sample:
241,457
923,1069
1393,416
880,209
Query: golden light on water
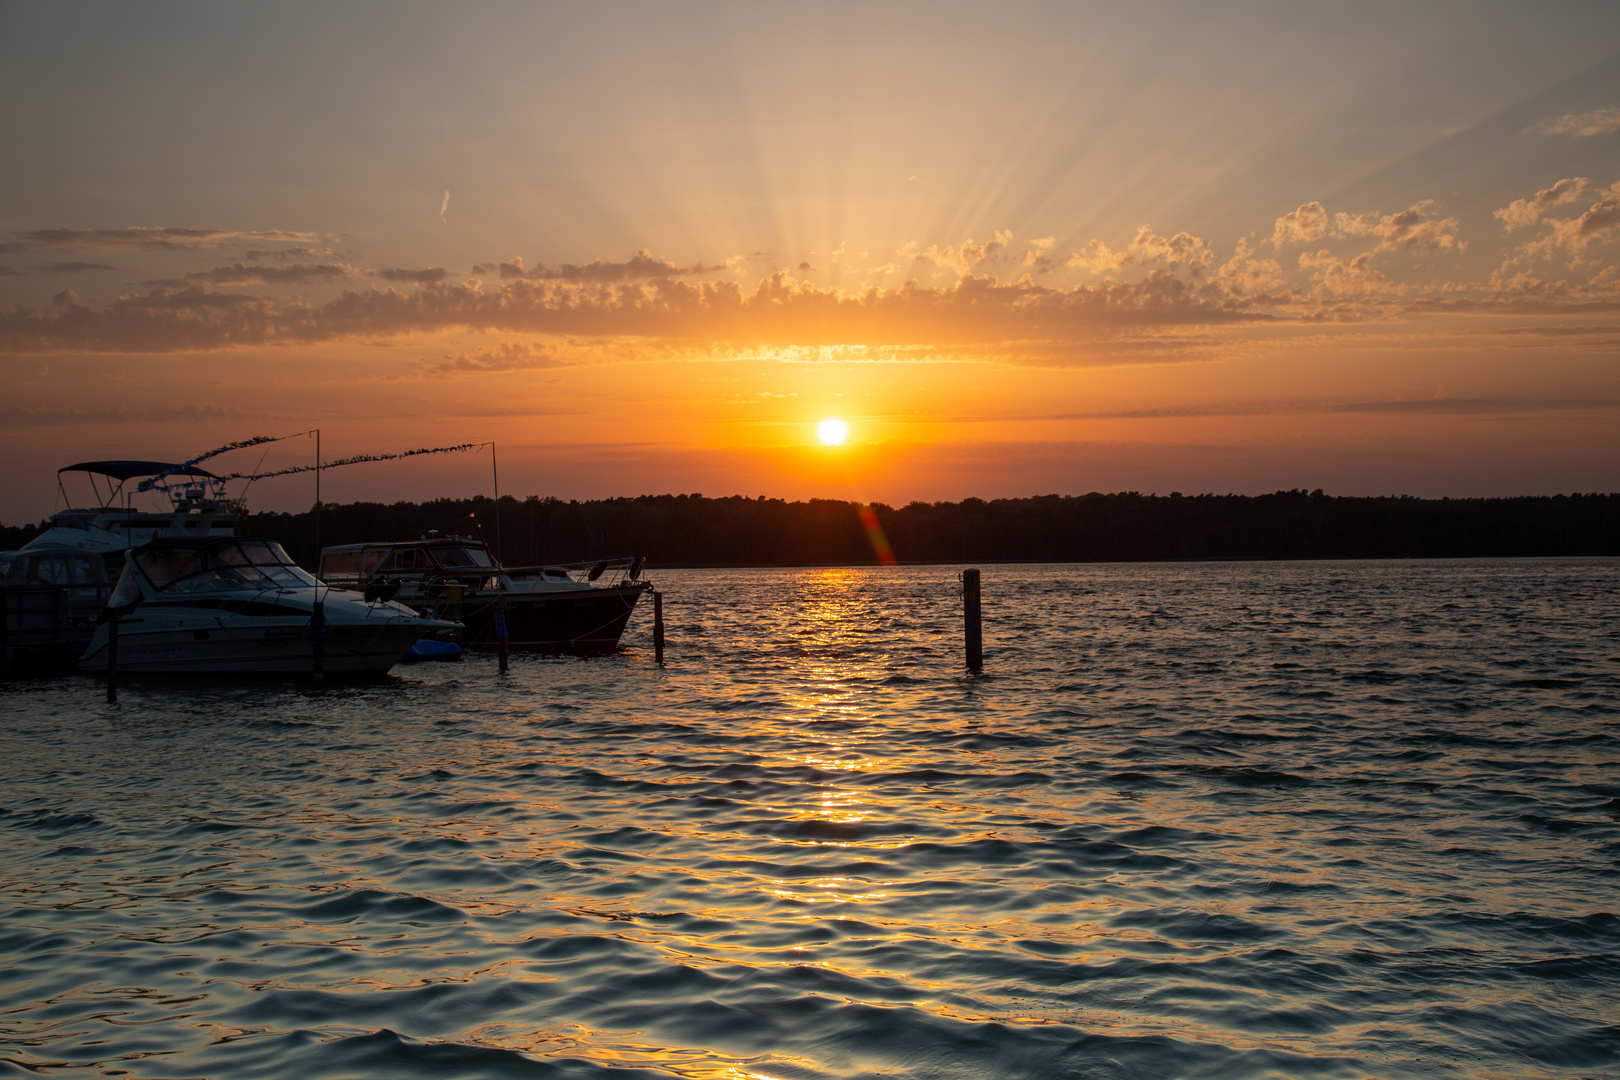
832,431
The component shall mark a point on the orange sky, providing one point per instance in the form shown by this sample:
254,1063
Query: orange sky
1045,248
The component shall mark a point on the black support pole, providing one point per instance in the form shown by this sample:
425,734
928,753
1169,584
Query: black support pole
500,629
112,659
317,638
971,625
658,626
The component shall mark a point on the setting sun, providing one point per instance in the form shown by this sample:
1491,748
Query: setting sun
832,431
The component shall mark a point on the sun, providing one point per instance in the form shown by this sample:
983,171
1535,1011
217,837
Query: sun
832,431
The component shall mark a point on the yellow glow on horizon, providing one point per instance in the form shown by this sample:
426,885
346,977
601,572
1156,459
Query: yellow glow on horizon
832,431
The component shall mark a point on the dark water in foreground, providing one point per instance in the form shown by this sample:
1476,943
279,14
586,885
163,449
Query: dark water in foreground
1220,820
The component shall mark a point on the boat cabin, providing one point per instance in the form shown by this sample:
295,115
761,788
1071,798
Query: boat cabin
358,564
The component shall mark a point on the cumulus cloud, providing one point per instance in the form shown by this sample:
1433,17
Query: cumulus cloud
1147,249
1528,211
1415,228
963,259
1597,225
431,276
1303,225
642,266
1579,125
142,238
243,274
1353,277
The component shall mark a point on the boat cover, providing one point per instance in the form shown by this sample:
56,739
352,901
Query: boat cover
124,470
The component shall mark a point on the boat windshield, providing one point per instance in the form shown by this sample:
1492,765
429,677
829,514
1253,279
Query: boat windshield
228,567
462,556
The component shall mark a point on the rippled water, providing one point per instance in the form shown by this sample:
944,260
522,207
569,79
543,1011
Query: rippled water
1216,820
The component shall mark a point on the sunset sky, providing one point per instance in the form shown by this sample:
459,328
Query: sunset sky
1018,248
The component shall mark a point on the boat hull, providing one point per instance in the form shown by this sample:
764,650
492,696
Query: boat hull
580,621
256,650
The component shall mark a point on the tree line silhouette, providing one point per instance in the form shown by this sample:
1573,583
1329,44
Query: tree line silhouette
691,530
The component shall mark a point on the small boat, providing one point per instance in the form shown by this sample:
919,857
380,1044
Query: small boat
237,605
577,608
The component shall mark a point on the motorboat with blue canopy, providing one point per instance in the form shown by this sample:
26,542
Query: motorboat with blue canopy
239,606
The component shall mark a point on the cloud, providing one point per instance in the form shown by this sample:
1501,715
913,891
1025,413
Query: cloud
1147,249
142,238
805,267
1597,225
1528,211
243,274
445,205
1355,277
289,253
431,276
781,310
1415,228
964,259
1579,125
642,266
74,267
1037,256
45,415
508,356
1304,225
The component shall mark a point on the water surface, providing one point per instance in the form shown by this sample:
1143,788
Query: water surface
1215,820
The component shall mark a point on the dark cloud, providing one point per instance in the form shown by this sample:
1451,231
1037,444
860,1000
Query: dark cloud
46,415
243,274
289,253
74,267
147,239
7,271
421,277
780,311
642,267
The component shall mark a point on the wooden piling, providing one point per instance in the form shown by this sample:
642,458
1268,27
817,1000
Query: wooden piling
971,624
500,630
658,626
112,659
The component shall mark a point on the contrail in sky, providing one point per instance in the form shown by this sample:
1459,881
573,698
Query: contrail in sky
444,205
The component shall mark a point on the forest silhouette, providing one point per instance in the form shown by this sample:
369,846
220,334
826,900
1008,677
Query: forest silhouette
691,530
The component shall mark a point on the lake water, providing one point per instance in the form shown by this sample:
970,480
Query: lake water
1216,820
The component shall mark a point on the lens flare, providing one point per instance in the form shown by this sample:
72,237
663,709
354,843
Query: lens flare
832,431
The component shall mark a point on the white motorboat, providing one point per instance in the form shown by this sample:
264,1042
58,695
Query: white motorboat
241,606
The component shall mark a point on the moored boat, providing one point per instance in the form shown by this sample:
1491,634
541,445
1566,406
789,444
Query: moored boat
242,606
574,608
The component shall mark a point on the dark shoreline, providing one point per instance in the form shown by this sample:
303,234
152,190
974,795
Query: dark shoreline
691,531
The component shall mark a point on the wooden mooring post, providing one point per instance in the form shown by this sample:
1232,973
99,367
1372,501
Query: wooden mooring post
658,626
972,627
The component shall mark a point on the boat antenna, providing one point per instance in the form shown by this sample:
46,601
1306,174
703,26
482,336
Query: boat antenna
495,474
317,433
